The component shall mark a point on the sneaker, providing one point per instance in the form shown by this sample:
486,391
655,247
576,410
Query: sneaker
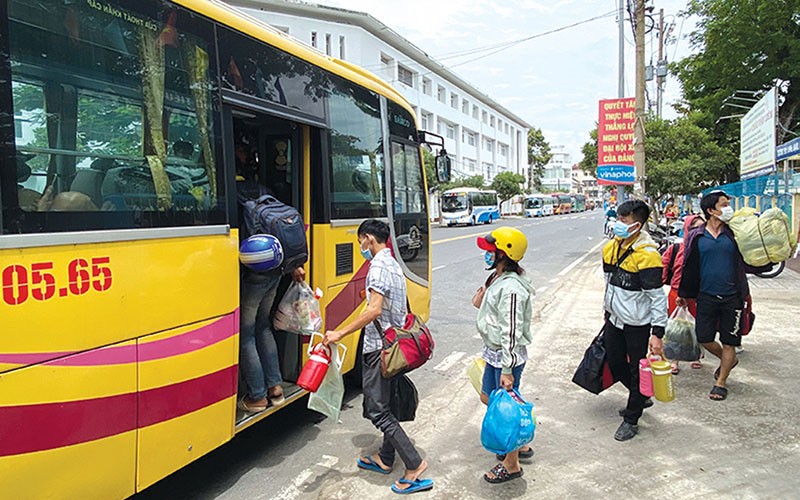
626,431
647,404
252,406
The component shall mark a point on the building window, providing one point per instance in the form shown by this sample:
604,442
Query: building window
441,93
504,150
341,48
488,145
470,139
485,117
405,76
454,101
328,43
465,106
491,122
470,164
386,66
506,128
423,120
314,42
440,127
426,86
475,111
451,132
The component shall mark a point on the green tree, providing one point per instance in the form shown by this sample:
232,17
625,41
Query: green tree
430,170
681,158
589,162
539,155
508,185
748,45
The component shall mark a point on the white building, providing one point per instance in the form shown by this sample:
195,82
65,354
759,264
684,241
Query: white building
481,136
558,172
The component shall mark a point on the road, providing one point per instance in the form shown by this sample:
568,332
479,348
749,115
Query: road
297,454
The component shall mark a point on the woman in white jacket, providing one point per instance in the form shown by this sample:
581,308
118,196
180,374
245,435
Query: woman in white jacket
504,323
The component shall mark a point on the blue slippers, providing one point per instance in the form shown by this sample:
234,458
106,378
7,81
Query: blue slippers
414,486
367,463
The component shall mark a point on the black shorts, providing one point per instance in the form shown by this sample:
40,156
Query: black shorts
719,314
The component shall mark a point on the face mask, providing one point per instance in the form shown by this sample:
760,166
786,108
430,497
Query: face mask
727,214
367,254
623,230
488,257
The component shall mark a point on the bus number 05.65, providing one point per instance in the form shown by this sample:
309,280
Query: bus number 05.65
39,283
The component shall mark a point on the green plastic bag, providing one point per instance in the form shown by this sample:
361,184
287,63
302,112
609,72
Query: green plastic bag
328,398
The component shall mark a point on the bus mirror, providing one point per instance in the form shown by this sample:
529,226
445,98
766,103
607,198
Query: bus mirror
443,166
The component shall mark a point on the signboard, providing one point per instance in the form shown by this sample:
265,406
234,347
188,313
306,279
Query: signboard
757,134
615,141
788,150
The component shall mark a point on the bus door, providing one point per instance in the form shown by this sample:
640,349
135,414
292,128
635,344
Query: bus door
269,157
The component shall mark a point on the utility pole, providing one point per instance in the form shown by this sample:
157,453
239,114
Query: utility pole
638,129
660,64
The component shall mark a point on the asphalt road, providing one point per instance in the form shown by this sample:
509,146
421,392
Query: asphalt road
296,453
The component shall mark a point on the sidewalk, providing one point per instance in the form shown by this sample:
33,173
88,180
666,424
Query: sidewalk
745,447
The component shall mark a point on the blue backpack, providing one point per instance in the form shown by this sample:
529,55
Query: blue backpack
267,215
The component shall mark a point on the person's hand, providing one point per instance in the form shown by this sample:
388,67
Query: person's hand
46,201
332,336
680,302
507,381
299,274
656,345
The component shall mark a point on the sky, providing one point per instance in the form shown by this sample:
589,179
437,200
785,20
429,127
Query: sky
554,82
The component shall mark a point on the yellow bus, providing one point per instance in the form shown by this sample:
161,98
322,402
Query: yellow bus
123,125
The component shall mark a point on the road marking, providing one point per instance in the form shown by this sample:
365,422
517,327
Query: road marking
437,268
456,238
541,289
579,259
553,280
449,361
293,490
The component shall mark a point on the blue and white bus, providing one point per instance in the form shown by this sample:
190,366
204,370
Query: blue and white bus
469,206
538,205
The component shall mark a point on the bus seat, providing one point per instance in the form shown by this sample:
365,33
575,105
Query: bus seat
89,182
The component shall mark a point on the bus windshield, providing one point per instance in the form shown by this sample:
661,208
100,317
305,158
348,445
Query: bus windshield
533,203
454,202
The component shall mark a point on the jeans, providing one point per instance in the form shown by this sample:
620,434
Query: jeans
491,378
377,398
624,349
258,352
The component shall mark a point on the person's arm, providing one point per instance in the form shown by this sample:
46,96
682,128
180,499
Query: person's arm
510,323
650,274
367,316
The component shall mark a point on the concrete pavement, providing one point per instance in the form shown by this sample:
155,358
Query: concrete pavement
745,447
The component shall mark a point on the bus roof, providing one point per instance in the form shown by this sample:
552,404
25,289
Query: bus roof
469,190
243,22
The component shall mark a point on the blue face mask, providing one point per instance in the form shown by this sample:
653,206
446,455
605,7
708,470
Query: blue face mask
488,257
623,230
367,254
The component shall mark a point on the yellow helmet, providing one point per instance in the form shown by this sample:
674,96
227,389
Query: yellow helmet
509,240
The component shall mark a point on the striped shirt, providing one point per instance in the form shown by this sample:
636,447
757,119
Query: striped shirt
386,278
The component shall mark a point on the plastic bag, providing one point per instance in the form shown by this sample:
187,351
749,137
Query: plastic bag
509,422
475,373
298,311
765,238
680,341
405,399
328,398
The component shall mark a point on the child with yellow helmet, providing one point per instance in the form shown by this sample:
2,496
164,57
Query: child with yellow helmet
504,323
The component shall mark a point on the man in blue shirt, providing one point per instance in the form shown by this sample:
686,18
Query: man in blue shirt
714,274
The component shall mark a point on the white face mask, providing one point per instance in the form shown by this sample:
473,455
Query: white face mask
727,214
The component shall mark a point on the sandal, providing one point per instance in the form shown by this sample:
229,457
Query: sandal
696,365
367,463
676,370
716,372
522,455
718,393
413,486
501,474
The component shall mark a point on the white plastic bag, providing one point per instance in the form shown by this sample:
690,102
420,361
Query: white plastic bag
328,398
680,341
298,311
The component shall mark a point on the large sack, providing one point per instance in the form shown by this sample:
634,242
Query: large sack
763,239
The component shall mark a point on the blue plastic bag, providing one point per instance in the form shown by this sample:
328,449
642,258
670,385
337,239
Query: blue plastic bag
508,424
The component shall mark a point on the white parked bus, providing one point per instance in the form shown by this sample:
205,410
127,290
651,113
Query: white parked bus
469,206
538,205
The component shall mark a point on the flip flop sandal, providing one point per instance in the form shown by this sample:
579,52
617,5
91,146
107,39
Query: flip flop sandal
501,474
716,372
372,466
413,486
720,392
523,455
696,365
676,370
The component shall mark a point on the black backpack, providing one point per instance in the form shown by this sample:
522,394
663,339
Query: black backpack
267,215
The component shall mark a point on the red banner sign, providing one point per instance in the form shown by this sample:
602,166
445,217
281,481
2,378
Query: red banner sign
615,141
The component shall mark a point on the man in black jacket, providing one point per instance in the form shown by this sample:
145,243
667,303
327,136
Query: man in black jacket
714,273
